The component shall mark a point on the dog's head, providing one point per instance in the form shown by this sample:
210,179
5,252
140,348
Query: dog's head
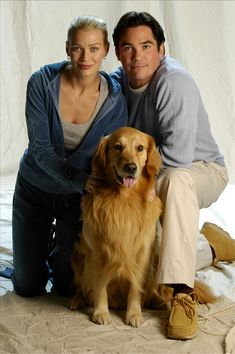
125,155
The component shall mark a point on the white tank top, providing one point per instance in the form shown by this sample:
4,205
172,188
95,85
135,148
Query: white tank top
75,132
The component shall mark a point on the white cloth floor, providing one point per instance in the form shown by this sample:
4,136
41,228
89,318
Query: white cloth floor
45,325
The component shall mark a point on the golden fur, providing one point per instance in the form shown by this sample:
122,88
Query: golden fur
116,260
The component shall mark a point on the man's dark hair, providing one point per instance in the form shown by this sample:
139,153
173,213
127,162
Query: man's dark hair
134,19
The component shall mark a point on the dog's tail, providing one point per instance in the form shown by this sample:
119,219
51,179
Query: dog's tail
204,293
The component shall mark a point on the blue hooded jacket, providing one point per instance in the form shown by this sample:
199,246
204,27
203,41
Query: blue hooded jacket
44,163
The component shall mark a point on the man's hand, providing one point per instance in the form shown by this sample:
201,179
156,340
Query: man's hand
151,195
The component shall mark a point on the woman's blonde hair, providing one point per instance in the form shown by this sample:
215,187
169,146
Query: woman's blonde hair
88,22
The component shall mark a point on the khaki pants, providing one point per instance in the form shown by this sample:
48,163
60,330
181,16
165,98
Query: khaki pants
184,191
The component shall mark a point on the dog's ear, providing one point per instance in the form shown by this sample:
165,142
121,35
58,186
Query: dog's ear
99,159
154,161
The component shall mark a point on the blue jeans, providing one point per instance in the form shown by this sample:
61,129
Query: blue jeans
33,213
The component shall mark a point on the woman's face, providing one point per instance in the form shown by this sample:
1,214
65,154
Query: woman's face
86,49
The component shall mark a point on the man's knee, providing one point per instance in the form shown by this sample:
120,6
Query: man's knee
175,180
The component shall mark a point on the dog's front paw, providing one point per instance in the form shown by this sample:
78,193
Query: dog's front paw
101,318
134,319
76,302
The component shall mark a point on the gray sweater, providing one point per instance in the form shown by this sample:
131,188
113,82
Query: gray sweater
171,110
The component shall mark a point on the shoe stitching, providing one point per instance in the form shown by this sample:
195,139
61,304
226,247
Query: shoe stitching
187,304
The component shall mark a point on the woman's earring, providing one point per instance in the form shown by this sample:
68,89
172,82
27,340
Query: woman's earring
104,57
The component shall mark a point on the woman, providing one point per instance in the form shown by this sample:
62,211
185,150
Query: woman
69,107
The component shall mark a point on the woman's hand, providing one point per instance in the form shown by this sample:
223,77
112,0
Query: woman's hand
92,183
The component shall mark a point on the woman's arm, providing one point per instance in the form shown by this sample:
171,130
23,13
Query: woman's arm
40,141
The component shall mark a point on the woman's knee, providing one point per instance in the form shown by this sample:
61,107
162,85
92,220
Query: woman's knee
29,283
28,290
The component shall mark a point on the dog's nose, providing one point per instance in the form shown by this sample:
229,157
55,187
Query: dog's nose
130,168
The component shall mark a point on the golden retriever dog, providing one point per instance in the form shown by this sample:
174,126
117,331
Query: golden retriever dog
115,262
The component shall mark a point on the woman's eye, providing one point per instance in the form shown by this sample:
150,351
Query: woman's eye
140,148
94,49
76,49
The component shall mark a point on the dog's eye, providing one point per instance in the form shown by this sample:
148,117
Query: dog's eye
118,146
140,148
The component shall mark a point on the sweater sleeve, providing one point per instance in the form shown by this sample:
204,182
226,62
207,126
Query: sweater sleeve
117,75
177,107
120,117
40,142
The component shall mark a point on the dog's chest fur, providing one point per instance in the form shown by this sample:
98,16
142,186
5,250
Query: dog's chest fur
119,224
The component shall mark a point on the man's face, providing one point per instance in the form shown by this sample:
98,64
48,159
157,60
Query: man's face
139,55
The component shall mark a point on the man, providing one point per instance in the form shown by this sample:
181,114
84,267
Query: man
164,101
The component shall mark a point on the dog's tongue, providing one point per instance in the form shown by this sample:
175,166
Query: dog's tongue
128,181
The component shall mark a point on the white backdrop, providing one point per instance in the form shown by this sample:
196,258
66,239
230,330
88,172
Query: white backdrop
200,34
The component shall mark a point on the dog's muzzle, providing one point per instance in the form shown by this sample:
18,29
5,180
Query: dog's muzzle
129,179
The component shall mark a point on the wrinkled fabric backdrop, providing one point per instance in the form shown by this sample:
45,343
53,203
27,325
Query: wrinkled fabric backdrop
200,34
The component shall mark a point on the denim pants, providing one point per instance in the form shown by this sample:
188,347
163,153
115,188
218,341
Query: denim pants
34,211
